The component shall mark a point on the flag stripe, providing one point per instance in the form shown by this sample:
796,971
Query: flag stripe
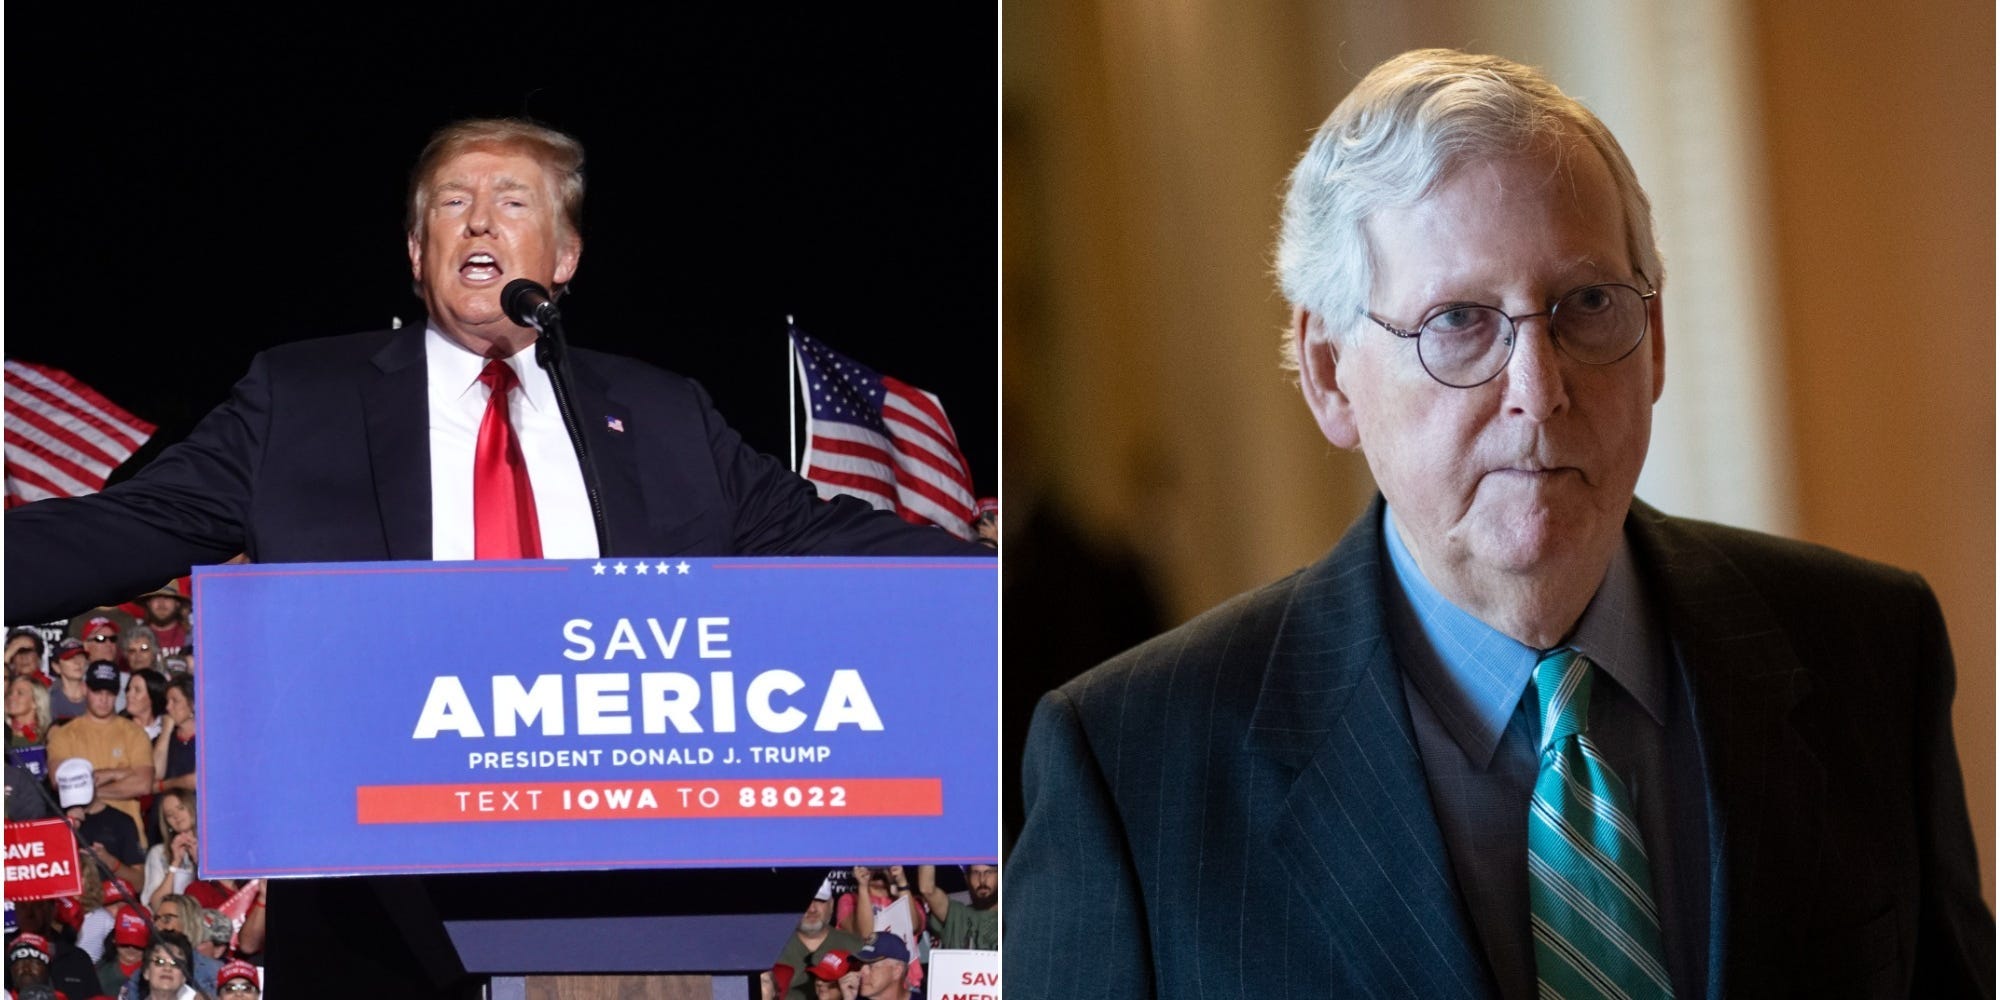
926,451
897,408
64,384
926,404
932,502
949,518
876,492
882,476
29,486
915,464
67,394
61,437
23,462
72,428
846,439
903,408
19,493
83,465
925,470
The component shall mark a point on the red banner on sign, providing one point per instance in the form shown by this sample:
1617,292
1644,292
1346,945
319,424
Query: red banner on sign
41,860
695,799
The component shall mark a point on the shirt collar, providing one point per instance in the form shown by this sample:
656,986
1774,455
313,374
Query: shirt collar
454,370
1474,676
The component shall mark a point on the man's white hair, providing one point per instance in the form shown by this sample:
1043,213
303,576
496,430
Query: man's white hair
1402,131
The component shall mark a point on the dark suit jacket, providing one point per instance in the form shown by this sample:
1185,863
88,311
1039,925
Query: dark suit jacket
1237,807
322,454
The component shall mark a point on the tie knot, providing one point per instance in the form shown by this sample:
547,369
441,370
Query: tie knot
1562,687
499,377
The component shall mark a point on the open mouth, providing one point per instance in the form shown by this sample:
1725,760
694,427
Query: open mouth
480,267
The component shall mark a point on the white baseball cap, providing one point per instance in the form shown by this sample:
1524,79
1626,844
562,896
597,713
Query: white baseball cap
76,782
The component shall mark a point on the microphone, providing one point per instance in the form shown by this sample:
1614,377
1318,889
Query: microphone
529,304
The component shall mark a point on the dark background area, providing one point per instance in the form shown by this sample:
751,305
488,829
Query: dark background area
181,194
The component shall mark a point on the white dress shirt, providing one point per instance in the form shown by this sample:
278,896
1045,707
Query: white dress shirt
457,405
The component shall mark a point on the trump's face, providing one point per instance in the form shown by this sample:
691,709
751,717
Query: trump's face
490,216
1533,471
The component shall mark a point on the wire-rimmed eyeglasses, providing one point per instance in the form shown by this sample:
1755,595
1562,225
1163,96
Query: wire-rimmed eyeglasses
1464,345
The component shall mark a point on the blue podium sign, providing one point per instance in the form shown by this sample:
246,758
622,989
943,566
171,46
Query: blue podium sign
541,715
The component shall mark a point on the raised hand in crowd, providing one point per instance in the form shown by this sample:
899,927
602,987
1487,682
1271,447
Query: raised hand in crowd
170,861
974,925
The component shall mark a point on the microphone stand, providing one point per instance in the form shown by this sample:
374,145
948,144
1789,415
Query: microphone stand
554,359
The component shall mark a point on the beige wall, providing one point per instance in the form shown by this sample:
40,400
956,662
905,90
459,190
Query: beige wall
1880,153
1145,145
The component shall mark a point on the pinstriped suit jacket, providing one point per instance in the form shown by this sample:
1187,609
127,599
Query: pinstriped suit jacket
1237,807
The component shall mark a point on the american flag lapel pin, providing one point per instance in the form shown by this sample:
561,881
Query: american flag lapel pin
614,423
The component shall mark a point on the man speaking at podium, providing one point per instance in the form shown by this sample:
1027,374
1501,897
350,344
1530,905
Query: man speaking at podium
390,445
444,442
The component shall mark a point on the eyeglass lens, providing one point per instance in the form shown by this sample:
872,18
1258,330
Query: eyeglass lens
1596,324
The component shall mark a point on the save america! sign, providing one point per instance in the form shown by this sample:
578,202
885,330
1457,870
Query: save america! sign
41,860
603,714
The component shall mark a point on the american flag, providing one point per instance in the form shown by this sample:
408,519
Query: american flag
879,439
62,438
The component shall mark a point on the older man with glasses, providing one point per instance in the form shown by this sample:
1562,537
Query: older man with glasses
1519,734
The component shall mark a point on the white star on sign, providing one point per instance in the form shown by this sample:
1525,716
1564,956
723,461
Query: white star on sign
642,569
598,569
619,569
682,567
661,569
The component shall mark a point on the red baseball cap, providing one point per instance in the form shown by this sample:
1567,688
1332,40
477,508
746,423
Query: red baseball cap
131,930
117,891
781,976
831,965
237,968
28,946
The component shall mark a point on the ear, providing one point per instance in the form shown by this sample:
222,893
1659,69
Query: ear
416,247
1319,368
567,255
1657,317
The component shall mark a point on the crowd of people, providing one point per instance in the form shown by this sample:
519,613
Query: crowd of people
869,932
101,731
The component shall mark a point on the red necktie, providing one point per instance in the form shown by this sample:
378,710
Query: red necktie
503,500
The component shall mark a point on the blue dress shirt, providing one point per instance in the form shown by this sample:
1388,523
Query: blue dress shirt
1467,683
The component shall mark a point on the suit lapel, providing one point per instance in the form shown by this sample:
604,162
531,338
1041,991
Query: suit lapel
397,408
1357,834
608,432
1764,783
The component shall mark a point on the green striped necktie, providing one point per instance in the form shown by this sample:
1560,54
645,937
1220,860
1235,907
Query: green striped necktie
1597,932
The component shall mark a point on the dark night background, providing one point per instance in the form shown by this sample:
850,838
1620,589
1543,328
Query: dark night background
181,195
